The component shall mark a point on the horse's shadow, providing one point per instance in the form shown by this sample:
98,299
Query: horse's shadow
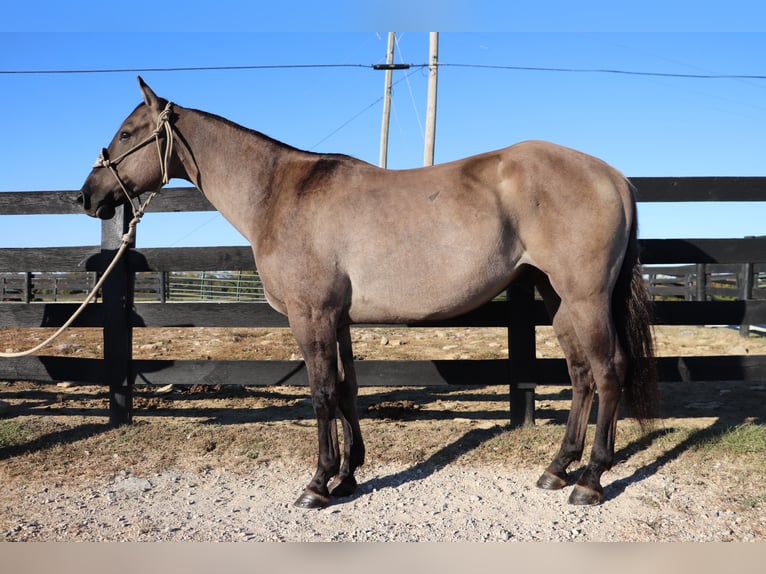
617,487
613,490
437,461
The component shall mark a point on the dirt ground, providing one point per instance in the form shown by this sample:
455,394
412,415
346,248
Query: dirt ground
64,468
369,343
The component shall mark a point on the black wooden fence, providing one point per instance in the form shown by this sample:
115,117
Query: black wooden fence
118,313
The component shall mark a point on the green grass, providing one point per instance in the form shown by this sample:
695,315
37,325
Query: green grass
12,433
744,439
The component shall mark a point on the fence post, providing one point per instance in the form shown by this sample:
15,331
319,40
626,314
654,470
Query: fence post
701,282
521,352
117,297
163,286
28,286
746,294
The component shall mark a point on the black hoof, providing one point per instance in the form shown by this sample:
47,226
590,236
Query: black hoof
585,496
310,499
343,488
550,481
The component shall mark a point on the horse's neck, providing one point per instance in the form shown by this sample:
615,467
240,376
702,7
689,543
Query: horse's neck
234,167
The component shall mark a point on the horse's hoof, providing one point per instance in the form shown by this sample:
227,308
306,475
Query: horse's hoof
310,499
343,488
550,481
584,496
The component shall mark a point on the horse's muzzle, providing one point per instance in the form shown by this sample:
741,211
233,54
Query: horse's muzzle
104,210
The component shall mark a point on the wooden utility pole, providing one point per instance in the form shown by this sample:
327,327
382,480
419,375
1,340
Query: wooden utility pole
387,101
430,136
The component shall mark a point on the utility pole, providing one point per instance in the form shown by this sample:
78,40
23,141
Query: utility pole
430,136
387,101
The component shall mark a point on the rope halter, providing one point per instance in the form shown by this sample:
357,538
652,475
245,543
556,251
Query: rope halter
163,126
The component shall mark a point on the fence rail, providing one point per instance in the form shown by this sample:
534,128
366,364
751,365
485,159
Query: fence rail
137,293
700,282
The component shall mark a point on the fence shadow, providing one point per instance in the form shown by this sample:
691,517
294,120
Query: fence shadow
62,437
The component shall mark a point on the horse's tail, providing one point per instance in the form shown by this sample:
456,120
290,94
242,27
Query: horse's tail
633,314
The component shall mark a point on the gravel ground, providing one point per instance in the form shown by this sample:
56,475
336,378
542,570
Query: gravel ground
665,493
453,503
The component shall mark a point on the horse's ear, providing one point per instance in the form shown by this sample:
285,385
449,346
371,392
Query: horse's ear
150,98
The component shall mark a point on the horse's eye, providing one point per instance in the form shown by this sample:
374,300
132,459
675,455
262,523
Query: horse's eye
124,136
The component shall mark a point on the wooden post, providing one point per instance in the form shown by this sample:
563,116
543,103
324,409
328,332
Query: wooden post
163,287
701,282
521,352
117,296
433,74
387,101
28,287
747,294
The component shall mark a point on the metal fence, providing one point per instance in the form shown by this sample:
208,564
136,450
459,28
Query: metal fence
164,287
700,282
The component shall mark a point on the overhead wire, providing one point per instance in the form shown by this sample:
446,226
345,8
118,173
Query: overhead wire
613,71
183,69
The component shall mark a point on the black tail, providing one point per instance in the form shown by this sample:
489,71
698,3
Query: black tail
633,315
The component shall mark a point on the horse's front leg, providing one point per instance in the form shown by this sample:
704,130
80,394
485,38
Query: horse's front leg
353,447
316,337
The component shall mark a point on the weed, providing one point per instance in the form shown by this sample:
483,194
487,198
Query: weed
12,433
747,438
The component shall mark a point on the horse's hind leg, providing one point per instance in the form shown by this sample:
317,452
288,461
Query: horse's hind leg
583,387
594,326
353,447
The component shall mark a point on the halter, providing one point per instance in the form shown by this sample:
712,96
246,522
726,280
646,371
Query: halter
103,160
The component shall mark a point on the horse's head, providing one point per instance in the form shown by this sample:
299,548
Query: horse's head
136,161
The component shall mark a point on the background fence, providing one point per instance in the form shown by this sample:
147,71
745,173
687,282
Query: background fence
701,282
696,282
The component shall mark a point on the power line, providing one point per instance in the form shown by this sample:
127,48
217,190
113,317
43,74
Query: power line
396,67
608,71
182,69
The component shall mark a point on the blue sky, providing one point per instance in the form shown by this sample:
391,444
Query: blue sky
53,125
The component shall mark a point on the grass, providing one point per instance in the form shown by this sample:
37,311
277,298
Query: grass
744,439
12,433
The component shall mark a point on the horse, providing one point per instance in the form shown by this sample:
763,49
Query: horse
338,241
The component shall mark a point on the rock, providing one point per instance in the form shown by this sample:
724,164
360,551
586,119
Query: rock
4,408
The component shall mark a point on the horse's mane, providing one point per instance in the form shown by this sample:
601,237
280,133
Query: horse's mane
263,136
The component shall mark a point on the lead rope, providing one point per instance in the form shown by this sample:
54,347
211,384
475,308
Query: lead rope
163,123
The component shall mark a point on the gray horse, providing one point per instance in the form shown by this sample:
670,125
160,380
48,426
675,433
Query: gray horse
338,241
